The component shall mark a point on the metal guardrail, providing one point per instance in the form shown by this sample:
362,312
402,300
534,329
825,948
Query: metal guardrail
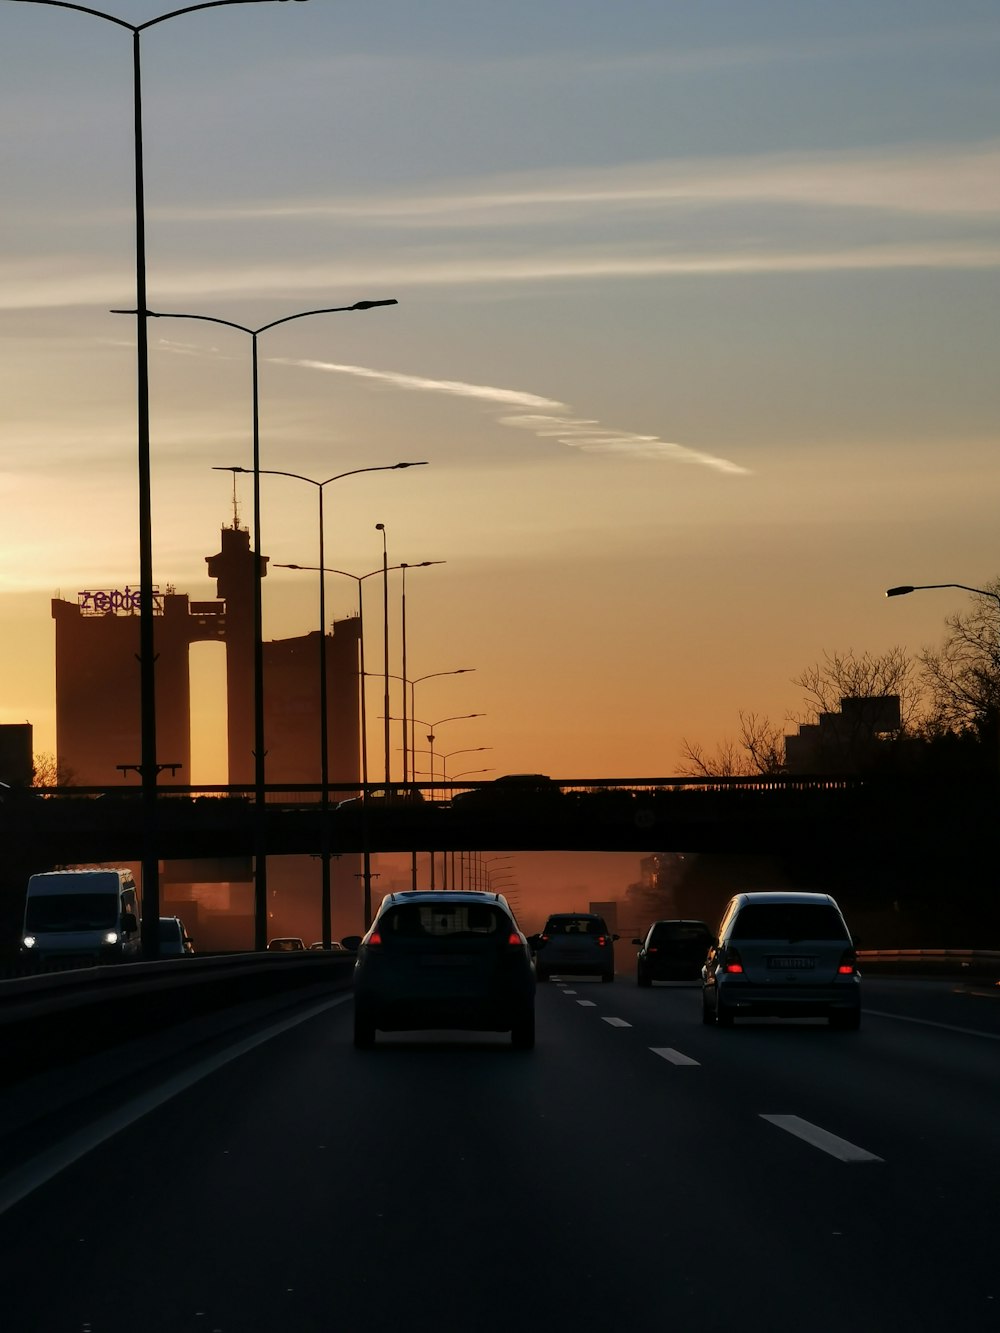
925,962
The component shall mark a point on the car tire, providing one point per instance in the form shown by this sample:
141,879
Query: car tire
522,1032
642,979
723,1015
364,1032
846,1020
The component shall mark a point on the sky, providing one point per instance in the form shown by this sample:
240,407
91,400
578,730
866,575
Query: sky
697,329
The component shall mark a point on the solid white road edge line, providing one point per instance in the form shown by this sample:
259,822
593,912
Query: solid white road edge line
821,1138
929,1023
40,1170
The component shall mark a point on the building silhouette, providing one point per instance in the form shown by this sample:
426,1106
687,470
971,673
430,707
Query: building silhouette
98,719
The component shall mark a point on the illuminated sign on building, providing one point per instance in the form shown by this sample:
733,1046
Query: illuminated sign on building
115,602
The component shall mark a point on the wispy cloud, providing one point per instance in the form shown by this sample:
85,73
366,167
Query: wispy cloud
554,422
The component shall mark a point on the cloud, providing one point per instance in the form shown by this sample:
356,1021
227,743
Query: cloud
579,433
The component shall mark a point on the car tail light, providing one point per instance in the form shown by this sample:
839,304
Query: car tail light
653,949
848,964
602,941
514,940
734,963
375,940
543,938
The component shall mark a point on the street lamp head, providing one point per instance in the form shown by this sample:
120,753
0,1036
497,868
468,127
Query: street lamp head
380,527
422,463
371,305
898,592
231,469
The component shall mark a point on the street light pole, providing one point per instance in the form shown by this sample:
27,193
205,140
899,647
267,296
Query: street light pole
324,730
259,748
149,768
380,527
362,679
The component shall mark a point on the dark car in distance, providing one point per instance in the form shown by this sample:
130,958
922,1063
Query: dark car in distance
672,951
444,959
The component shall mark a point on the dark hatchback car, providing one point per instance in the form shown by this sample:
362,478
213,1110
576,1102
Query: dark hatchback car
447,959
672,951
577,943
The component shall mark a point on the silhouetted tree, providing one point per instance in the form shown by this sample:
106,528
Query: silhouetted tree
963,677
760,750
48,772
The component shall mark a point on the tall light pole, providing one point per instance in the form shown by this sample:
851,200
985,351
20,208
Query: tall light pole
923,587
380,527
149,768
362,677
404,567
433,675
324,730
259,749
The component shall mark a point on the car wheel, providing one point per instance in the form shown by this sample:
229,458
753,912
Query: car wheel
846,1020
723,1015
364,1032
642,979
522,1033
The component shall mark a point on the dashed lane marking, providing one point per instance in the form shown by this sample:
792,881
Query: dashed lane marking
821,1138
675,1057
587,1004
616,1022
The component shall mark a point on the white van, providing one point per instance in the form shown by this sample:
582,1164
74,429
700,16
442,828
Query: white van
82,916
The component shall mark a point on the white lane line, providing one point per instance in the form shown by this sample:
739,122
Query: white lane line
569,992
675,1057
821,1138
587,1004
18,1184
929,1023
616,1022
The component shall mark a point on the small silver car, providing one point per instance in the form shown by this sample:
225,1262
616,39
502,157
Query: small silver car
782,954
575,943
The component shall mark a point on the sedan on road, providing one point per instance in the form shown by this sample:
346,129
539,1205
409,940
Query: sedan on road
444,959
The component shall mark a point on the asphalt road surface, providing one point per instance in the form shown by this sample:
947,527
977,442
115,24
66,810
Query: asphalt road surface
637,1170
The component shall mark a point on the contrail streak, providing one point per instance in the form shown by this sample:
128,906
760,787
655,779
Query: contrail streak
578,433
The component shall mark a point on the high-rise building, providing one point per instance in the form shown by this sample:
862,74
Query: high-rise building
98,720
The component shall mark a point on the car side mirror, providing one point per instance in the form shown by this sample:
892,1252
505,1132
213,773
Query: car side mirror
352,943
615,937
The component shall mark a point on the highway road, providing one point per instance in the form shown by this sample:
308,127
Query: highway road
637,1170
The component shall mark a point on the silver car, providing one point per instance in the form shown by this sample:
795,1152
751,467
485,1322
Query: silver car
574,943
782,954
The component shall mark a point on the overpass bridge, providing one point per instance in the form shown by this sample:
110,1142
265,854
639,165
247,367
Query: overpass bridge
856,815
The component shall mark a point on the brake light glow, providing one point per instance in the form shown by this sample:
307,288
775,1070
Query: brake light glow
734,963
514,938
848,964
374,938
602,941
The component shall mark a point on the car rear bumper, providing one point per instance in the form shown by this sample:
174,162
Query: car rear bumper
794,1001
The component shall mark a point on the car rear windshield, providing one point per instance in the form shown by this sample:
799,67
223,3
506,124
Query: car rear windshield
575,925
789,921
680,930
443,921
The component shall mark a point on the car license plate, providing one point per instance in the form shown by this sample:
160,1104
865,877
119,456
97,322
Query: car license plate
792,964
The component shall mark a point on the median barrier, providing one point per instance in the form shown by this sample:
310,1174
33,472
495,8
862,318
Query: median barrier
53,1019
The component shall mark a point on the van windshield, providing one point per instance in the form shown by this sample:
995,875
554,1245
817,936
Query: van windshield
72,911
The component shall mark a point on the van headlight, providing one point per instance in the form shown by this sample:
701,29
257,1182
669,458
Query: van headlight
111,937
28,942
